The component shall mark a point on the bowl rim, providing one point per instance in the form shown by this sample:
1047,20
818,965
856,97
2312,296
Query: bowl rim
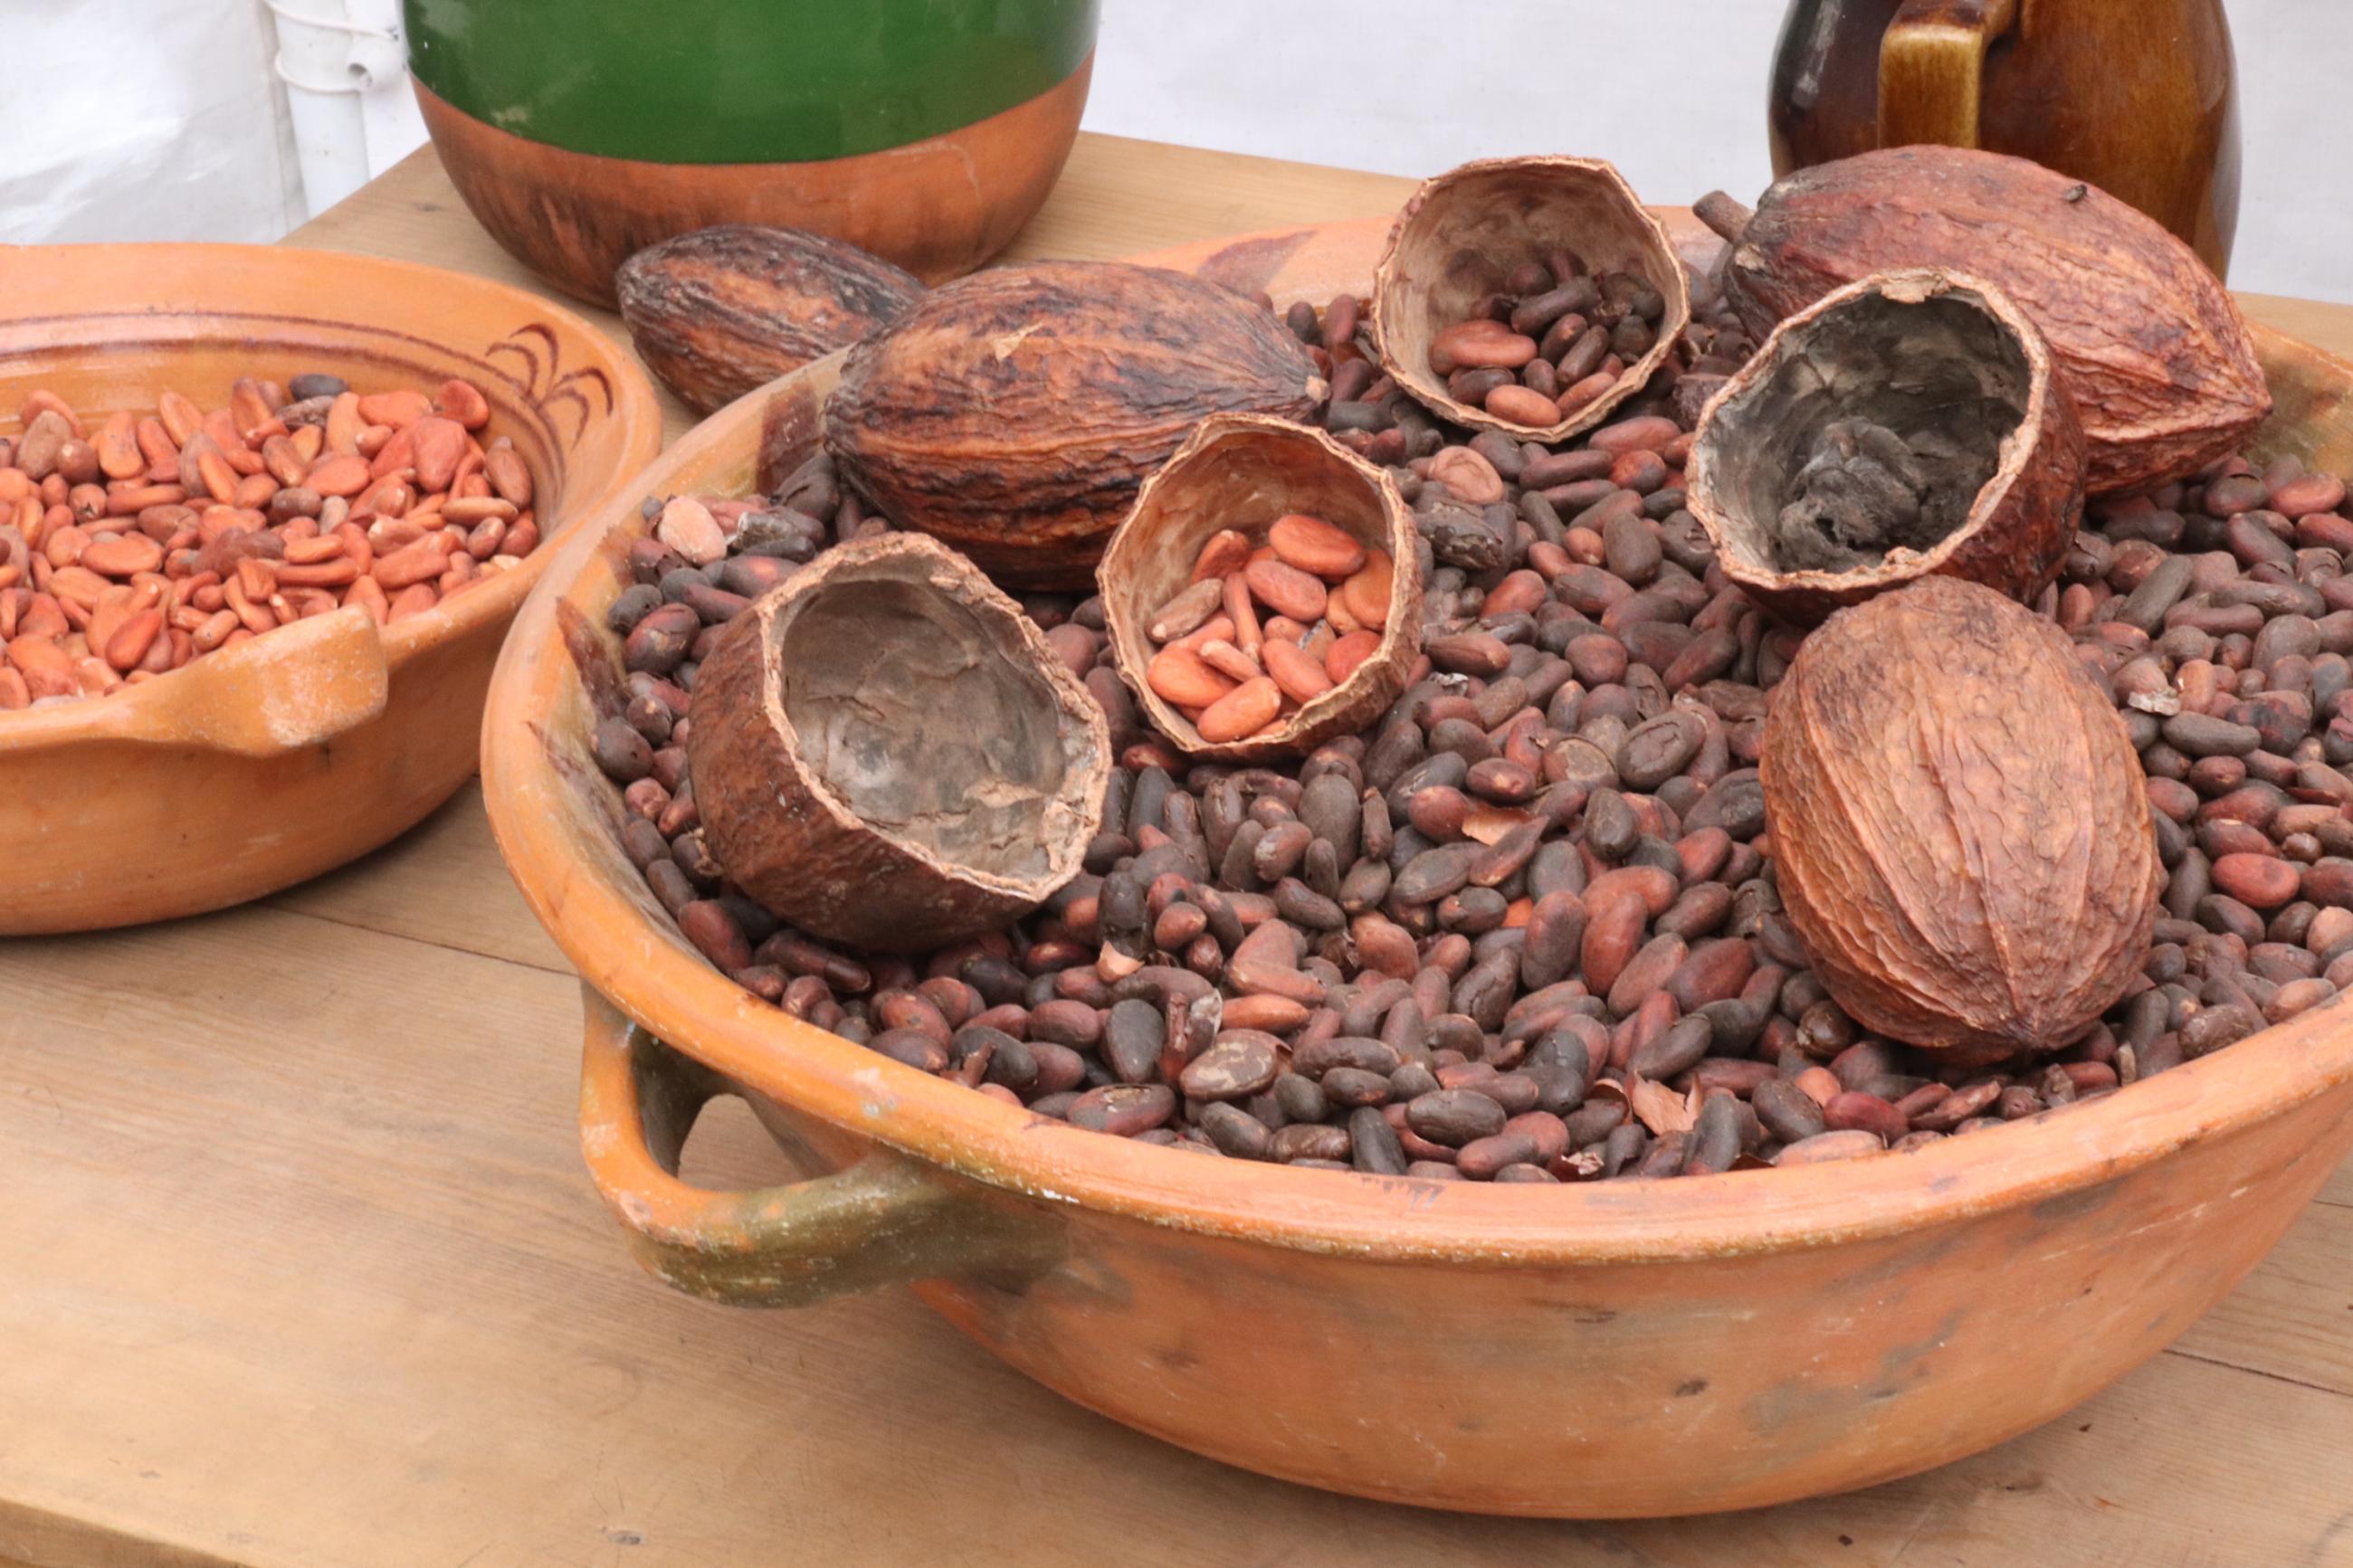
655,978
122,280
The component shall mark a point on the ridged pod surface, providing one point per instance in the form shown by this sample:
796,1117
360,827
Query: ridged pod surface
2147,340
1016,413
718,311
1959,826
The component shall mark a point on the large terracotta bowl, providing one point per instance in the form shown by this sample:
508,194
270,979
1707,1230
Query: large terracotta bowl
261,765
580,131
1609,1350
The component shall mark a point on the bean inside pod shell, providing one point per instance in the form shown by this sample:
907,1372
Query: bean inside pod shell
1243,473
1461,235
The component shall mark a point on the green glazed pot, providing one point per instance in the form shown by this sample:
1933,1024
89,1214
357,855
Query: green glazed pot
581,130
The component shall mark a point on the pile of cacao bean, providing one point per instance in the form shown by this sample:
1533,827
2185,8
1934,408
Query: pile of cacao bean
1316,570
1569,336
131,544
1525,927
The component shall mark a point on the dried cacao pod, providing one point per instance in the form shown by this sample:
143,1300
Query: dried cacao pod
887,753
1016,413
2147,340
719,311
1240,472
1906,425
1461,234
1960,826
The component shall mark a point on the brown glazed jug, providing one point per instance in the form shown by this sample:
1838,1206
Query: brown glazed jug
2138,97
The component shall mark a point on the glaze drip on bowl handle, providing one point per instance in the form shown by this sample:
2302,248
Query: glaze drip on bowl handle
881,1222
300,686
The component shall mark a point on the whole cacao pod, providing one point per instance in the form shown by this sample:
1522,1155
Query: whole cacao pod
1015,412
719,311
2147,340
1960,826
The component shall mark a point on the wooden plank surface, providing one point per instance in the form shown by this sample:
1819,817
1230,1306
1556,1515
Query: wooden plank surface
298,1265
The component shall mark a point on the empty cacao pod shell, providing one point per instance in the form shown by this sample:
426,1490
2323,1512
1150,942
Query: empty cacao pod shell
1461,235
2147,340
1959,826
886,752
1015,412
1906,425
1241,472
719,311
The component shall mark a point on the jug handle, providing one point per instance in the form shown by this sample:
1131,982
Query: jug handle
1932,69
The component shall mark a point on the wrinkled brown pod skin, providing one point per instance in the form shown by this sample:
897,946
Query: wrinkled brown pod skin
1960,826
886,752
1461,234
1015,413
1243,471
2147,341
718,311
2017,533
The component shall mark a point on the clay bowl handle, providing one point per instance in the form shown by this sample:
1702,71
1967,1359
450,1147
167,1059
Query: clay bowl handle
883,1221
299,686
1932,69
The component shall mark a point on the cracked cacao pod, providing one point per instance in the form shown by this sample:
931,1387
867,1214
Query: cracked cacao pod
1462,233
1240,472
1015,412
1960,828
1904,425
2147,340
887,753
719,311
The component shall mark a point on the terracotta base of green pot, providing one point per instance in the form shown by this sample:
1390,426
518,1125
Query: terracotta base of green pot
938,207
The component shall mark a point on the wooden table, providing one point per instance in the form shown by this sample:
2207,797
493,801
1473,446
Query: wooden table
299,1266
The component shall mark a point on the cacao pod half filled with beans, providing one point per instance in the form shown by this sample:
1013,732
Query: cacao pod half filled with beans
1906,425
1509,265
2147,340
1015,413
1959,826
1265,594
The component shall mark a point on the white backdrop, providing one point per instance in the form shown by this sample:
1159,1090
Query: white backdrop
142,120
187,140
1427,87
